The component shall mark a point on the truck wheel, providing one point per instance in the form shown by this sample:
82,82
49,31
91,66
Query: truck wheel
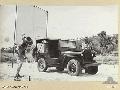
92,70
74,67
59,68
42,66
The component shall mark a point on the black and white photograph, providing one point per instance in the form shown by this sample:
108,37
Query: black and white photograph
59,43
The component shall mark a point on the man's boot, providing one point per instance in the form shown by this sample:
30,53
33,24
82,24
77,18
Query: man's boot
17,77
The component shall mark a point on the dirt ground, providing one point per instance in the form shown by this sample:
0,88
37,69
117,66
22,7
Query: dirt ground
30,69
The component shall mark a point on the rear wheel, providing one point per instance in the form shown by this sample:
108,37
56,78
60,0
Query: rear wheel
74,67
42,66
92,70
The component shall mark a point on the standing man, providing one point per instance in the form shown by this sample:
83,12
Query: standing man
22,54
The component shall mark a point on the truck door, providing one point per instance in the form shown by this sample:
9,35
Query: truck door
53,49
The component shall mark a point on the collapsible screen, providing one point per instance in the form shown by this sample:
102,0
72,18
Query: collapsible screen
31,21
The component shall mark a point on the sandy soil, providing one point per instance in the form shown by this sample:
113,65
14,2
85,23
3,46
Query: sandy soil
30,69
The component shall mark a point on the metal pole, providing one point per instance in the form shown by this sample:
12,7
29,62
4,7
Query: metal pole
14,34
47,24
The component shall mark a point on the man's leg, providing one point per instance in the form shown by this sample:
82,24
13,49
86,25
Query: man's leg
19,66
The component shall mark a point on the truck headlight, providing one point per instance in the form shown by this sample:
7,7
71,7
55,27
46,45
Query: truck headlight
81,54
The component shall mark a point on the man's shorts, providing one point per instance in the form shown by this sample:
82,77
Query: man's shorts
21,58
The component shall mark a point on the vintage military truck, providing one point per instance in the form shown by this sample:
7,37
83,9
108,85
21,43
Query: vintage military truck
62,54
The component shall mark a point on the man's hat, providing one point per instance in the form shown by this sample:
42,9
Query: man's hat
29,41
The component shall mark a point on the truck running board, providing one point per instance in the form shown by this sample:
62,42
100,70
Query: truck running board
92,64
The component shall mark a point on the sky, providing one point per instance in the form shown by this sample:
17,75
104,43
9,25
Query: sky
66,22
7,19
81,21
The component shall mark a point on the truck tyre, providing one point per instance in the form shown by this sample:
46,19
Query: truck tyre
59,68
42,65
74,68
92,70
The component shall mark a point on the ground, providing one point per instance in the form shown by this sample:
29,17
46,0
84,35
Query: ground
30,69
